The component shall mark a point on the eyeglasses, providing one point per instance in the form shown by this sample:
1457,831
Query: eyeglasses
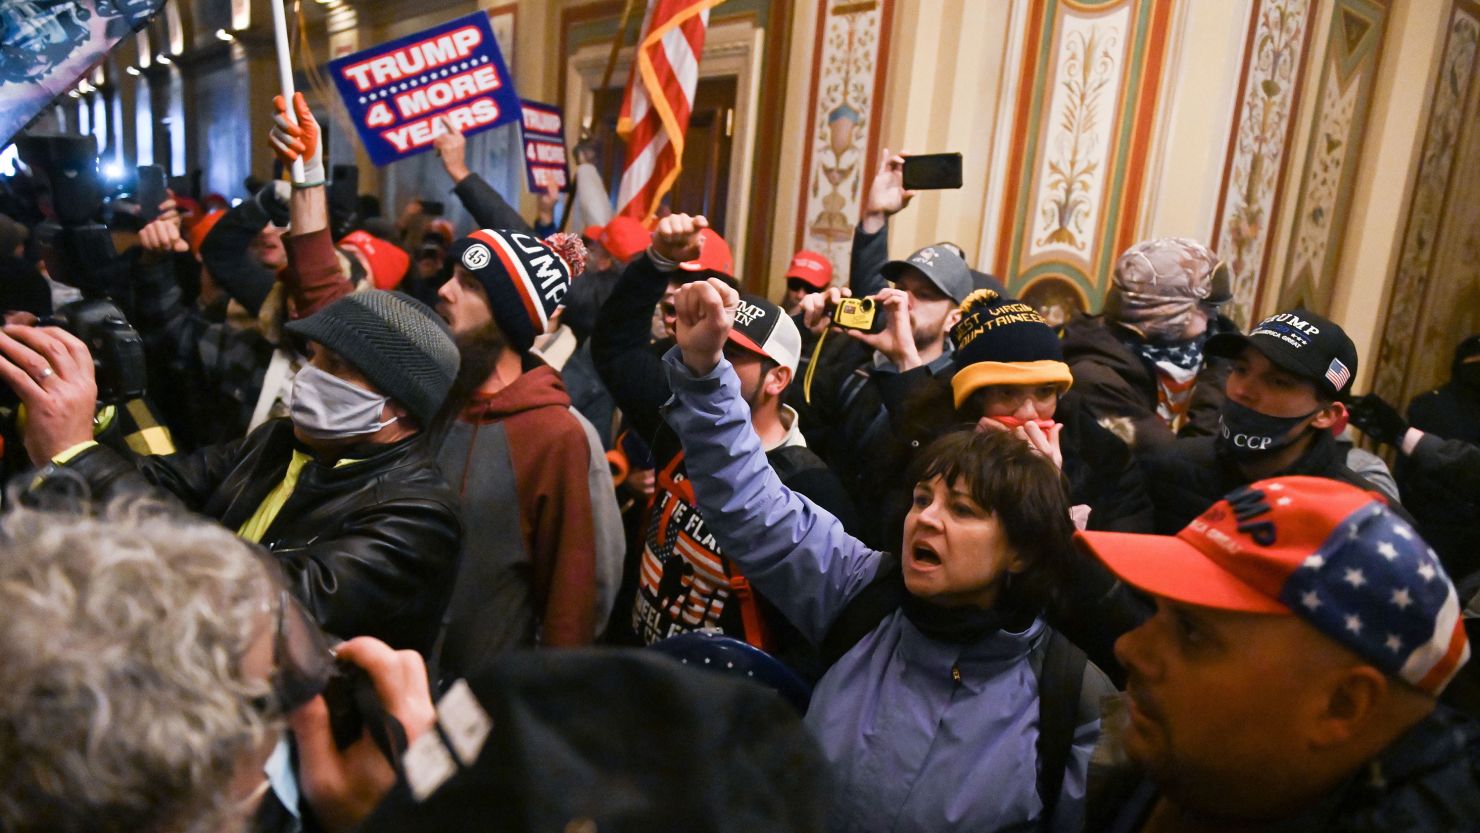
302,659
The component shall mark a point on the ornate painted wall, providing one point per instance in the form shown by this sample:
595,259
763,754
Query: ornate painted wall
1085,108
1263,128
843,127
1435,298
1344,96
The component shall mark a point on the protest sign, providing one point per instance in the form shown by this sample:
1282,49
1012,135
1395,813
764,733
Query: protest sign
398,92
544,146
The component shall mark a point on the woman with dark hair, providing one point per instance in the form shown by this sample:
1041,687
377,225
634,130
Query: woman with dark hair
931,718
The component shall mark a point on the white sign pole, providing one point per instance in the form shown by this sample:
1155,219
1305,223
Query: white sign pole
285,72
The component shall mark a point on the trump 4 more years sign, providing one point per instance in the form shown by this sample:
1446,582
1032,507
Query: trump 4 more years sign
397,93
544,146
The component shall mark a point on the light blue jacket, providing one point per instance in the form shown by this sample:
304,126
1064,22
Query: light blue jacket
912,749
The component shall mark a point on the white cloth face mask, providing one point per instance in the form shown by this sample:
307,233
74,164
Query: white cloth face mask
327,407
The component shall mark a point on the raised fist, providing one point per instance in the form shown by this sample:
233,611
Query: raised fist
706,313
677,237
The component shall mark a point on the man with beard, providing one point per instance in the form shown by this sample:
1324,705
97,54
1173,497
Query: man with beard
542,557
1284,395
682,581
862,378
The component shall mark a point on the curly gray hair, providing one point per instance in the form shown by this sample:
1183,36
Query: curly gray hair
123,705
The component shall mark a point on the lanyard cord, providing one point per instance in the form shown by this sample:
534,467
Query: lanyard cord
812,368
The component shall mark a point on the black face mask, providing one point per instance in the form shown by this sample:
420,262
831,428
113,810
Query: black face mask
1246,434
1468,375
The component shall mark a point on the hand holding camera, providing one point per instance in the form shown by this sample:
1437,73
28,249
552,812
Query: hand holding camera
51,371
343,784
818,307
894,336
706,313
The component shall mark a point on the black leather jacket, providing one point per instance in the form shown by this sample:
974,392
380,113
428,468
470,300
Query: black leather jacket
369,547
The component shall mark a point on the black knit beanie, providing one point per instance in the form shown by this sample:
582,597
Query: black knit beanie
1001,341
397,342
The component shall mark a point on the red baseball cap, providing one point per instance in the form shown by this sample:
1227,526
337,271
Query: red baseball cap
592,232
386,262
202,227
625,238
810,268
714,256
1323,550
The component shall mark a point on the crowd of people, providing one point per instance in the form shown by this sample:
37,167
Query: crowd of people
324,520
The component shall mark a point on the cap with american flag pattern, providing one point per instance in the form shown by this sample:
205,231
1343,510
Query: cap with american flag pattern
1320,549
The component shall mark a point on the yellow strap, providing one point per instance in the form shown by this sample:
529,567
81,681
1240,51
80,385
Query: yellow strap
257,525
62,458
812,368
151,438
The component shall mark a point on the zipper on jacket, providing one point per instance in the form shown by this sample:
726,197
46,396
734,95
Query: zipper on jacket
956,674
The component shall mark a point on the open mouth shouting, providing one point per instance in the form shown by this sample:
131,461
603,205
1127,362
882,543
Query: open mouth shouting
924,557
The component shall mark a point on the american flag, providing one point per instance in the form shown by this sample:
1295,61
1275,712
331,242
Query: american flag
1337,374
1376,586
659,98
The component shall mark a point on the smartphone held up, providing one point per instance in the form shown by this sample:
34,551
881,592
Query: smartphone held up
932,171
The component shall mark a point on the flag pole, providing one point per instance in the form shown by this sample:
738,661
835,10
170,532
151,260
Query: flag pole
285,71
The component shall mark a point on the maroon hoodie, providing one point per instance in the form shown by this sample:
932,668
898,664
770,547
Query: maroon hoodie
520,459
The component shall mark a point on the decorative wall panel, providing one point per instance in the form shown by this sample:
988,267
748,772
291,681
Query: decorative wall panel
1263,126
1085,109
843,125
1436,292
1349,70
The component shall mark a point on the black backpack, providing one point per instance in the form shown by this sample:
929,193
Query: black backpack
1069,685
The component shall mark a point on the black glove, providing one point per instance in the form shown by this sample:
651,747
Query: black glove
273,199
1377,419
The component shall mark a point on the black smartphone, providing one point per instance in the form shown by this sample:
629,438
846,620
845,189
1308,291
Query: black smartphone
151,192
932,171
182,187
432,208
69,165
344,199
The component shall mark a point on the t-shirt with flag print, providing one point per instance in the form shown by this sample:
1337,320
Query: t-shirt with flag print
685,583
